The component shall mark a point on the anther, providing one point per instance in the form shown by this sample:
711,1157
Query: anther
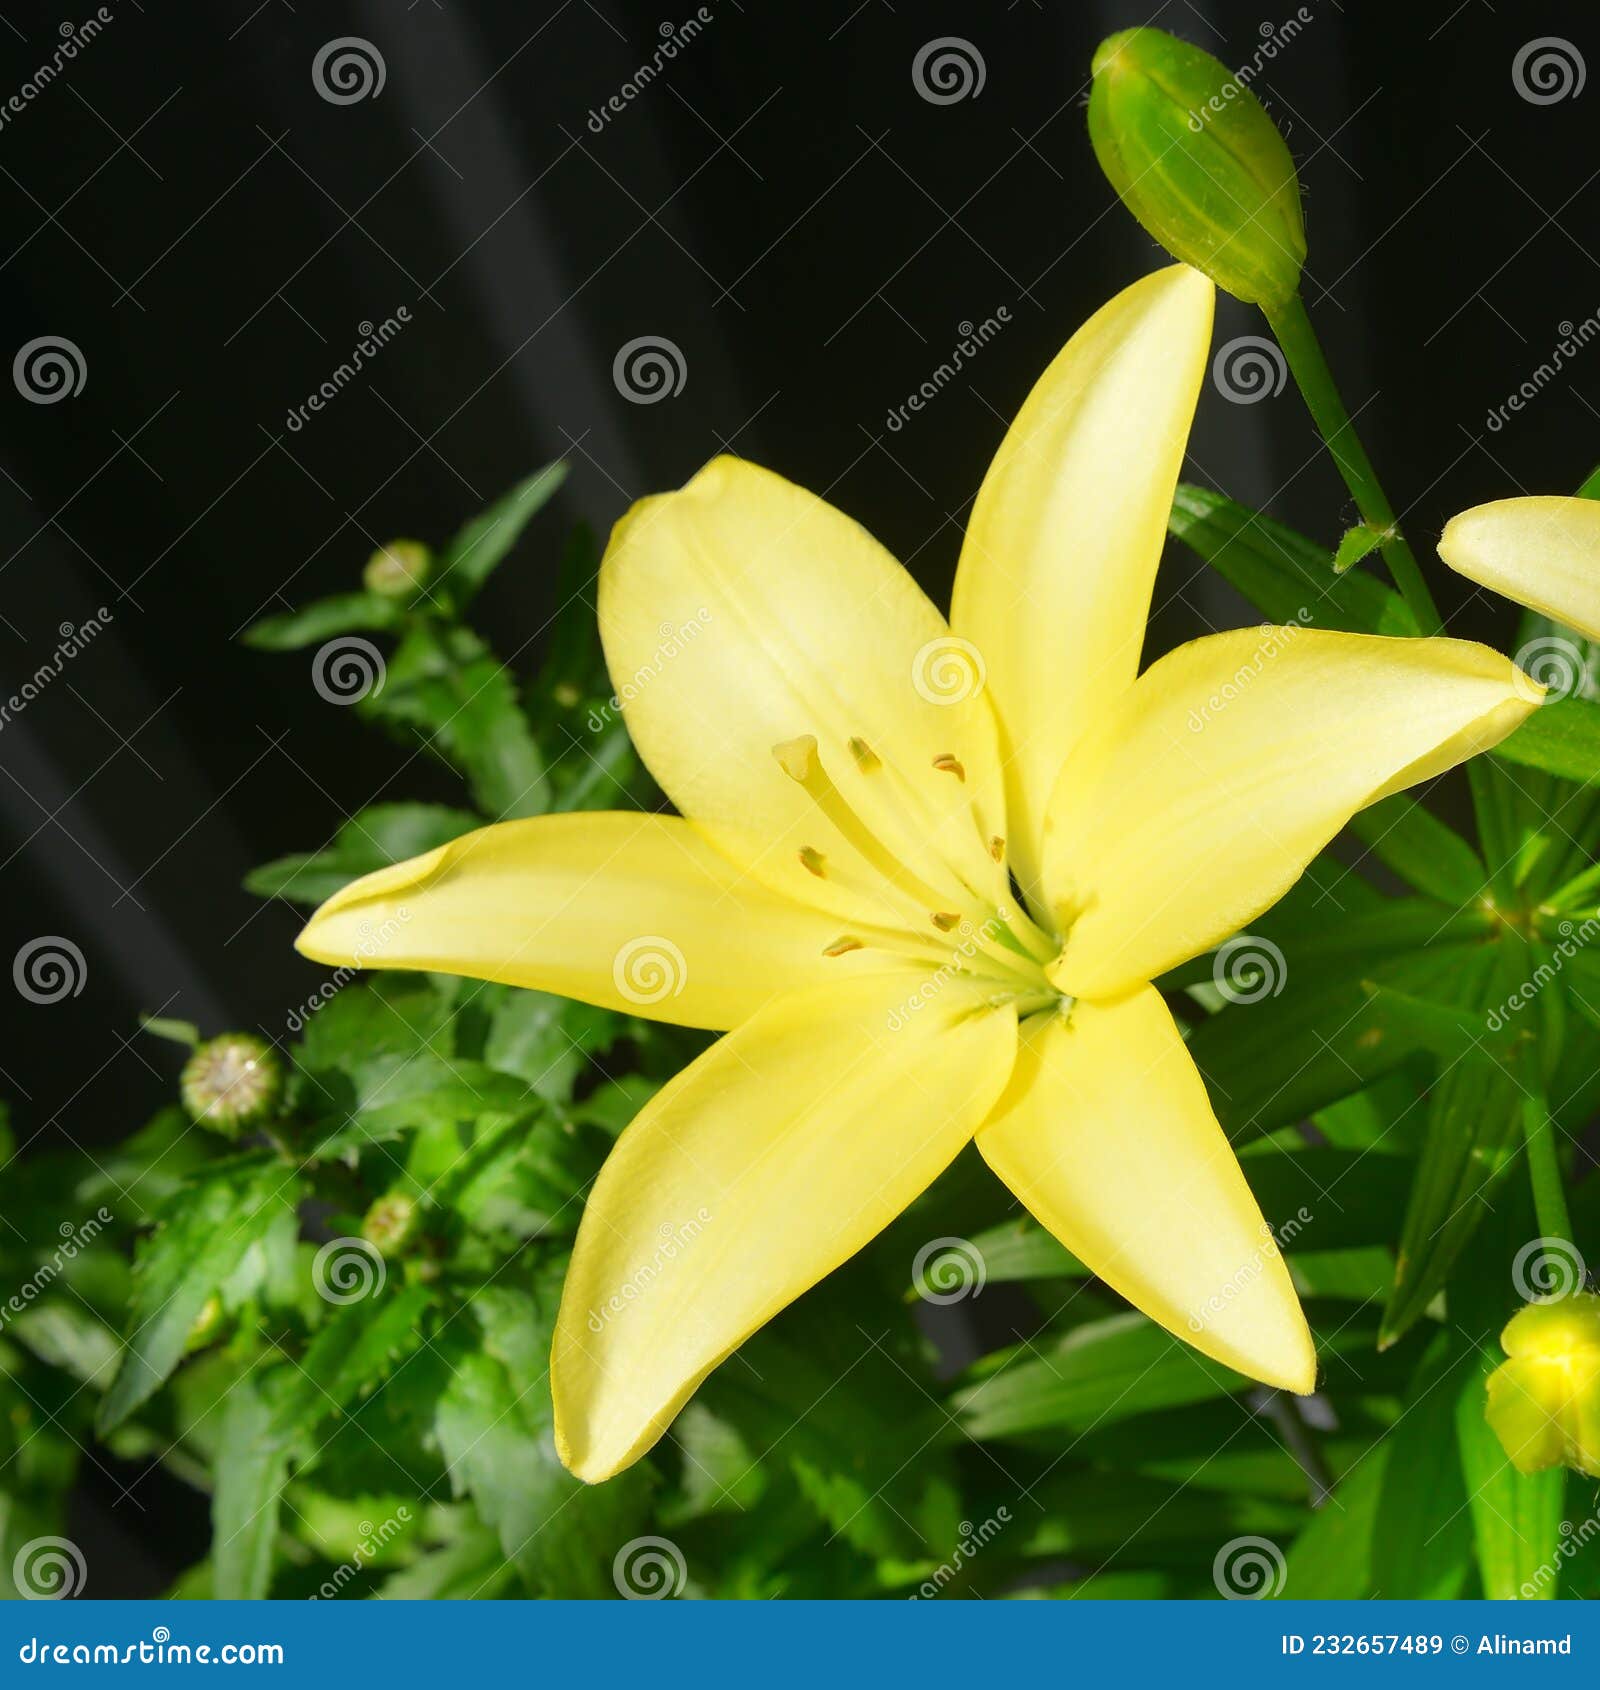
945,922
813,861
867,760
948,765
997,849
841,947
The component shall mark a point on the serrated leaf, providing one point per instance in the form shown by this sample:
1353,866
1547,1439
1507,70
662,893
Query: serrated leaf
1286,576
201,1237
252,1469
341,614
479,546
548,1040
372,839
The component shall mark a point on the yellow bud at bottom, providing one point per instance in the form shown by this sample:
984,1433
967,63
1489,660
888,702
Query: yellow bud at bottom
1544,1400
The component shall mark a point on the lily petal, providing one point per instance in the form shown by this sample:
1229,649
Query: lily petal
1106,1135
1198,799
1543,552
744,613
1060,557
631,912
758,1170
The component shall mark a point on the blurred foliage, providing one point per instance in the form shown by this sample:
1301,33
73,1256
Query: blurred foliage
362,1392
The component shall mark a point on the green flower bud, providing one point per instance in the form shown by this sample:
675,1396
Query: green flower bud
1194,156
207,1324
1544,1401
391,1223
232,1082
399,570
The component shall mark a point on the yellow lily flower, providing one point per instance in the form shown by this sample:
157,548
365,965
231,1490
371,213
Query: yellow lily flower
1544,1400
861,786
1543,552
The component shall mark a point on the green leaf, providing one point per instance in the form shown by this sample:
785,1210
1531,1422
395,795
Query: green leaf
252,1469
341,614
1421,849
446,685
372,839
494,1428
1286,576
1097,1373
1422,1540
1355,544
549,1041
1561,737
178,1032
1332,1556
471,556
201,1237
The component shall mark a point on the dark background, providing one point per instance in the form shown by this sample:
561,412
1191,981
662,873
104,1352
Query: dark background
784,207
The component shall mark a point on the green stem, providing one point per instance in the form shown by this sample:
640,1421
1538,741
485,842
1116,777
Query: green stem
1321,394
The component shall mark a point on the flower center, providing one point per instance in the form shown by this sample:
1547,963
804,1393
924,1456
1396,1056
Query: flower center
954,925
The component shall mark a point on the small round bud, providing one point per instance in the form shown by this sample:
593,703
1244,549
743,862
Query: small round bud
207,1324
232,1082
391,1223
399,570
1544,1400
1193,155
